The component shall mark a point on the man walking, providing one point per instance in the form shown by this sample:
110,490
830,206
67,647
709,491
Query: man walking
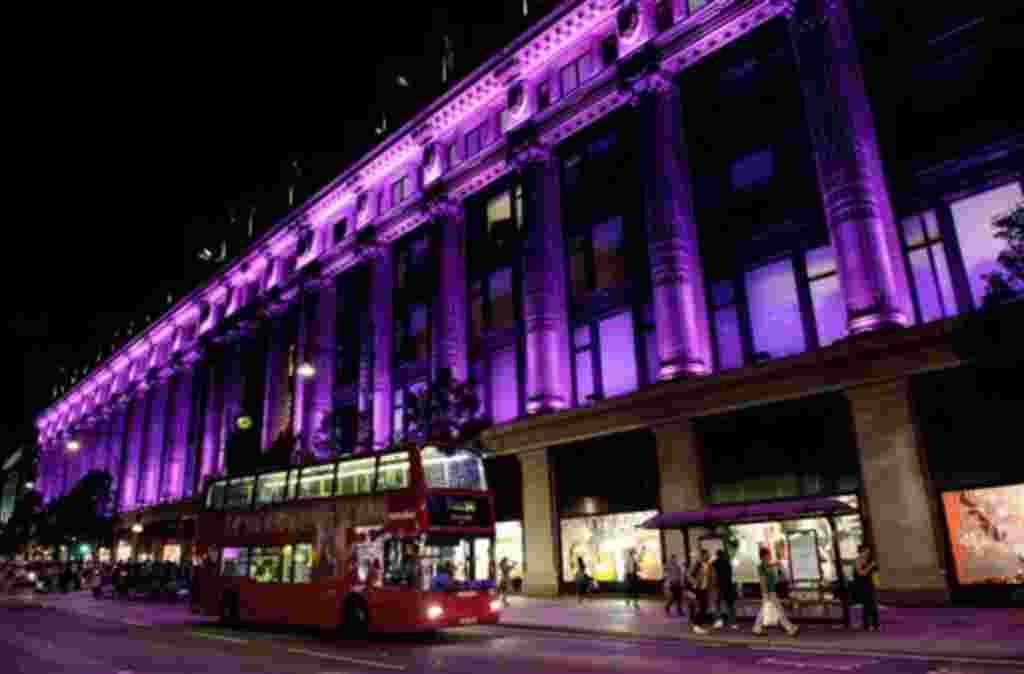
674,583
700,582
726,608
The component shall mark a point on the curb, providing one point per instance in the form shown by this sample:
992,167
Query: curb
768,643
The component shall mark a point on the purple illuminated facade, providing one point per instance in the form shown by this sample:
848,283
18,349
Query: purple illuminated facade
637,215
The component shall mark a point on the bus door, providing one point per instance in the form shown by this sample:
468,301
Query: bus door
394,599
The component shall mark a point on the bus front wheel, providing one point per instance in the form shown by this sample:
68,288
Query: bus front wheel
229,610
356,618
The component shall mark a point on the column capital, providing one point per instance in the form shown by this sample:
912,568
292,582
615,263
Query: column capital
658,83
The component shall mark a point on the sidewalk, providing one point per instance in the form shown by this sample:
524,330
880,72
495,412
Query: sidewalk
945,632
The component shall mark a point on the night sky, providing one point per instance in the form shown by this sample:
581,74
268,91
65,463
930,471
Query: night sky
132,146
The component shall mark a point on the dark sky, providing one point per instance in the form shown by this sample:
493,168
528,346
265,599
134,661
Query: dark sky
135,135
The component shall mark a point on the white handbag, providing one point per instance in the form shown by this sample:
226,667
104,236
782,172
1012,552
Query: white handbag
769,614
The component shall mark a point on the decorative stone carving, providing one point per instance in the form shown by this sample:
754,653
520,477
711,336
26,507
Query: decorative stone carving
628,21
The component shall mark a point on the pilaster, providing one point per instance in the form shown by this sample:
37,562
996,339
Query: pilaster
382,288
174,474
210,452
546,312
153,451
680,479
850,173
450,350
276,418
232,396
898,494
116,450
677,280
133,452
323,353
541,568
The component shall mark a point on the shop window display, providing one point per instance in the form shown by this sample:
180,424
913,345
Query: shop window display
986,530
509,543
603,541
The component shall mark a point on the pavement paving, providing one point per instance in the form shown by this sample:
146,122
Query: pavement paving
943,632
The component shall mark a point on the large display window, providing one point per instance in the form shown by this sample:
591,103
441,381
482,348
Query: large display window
747,540
603,542
509,543
986,531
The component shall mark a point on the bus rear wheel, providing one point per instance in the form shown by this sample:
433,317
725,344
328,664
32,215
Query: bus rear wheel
355,618
229,610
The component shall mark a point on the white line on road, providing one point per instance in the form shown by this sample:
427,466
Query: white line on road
352,661
889,656
217,637
815,665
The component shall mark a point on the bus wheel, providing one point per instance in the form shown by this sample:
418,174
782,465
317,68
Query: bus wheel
229,609
356,622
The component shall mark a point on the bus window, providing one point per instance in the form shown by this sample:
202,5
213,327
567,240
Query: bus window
393,471
303,563
317,482
293,484
234,562
459,470
265,565
355,477
215,497
287,564
458,563
271,488
239,493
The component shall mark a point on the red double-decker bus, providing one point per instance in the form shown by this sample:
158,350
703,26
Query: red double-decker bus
391,542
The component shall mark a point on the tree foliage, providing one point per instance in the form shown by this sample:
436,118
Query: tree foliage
1009,283
22,526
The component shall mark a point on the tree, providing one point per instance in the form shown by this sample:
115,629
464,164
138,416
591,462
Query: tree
22,525
83,515
1008,284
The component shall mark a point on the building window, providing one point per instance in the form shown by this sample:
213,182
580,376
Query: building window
929,269
453,155
826,295
776,324
399,190
695,5
340,230
725,316
979,248
753,170
475,140
543,94
574,74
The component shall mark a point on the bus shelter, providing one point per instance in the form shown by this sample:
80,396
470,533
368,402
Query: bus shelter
723,516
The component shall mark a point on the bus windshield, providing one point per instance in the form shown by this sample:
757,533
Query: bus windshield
460,469
440,563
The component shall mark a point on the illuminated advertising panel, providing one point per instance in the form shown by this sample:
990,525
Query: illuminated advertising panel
986,531
603,542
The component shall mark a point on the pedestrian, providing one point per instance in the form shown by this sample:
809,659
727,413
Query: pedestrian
771,609
505,579
726,605
674,585
700,583
864,571
583,580
632,579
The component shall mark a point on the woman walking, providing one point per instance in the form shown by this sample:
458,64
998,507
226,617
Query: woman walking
864,585
771,609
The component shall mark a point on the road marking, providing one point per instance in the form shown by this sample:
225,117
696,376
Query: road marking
852,667
217,637
351,661
1016,664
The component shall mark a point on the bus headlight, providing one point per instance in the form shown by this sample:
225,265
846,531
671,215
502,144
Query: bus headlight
32,576
496,605
435,612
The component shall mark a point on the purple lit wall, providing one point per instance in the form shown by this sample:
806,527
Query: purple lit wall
153,449
174,472
210,445
322,356
136,427
381,289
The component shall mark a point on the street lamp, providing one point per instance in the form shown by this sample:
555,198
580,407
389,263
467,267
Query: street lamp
30,485
307,371
73,445
137,528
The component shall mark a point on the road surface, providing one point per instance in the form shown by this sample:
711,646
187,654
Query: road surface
45,641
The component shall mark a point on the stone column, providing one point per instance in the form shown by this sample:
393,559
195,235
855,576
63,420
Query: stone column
382,286
680,479
899,499
154,442
323,354
545,303
115,451
133,451
275,403
211,445
300,399
231,402
677,279
177,452
540,525
450,349
850,174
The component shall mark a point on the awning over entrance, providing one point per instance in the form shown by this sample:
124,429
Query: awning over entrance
760,512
